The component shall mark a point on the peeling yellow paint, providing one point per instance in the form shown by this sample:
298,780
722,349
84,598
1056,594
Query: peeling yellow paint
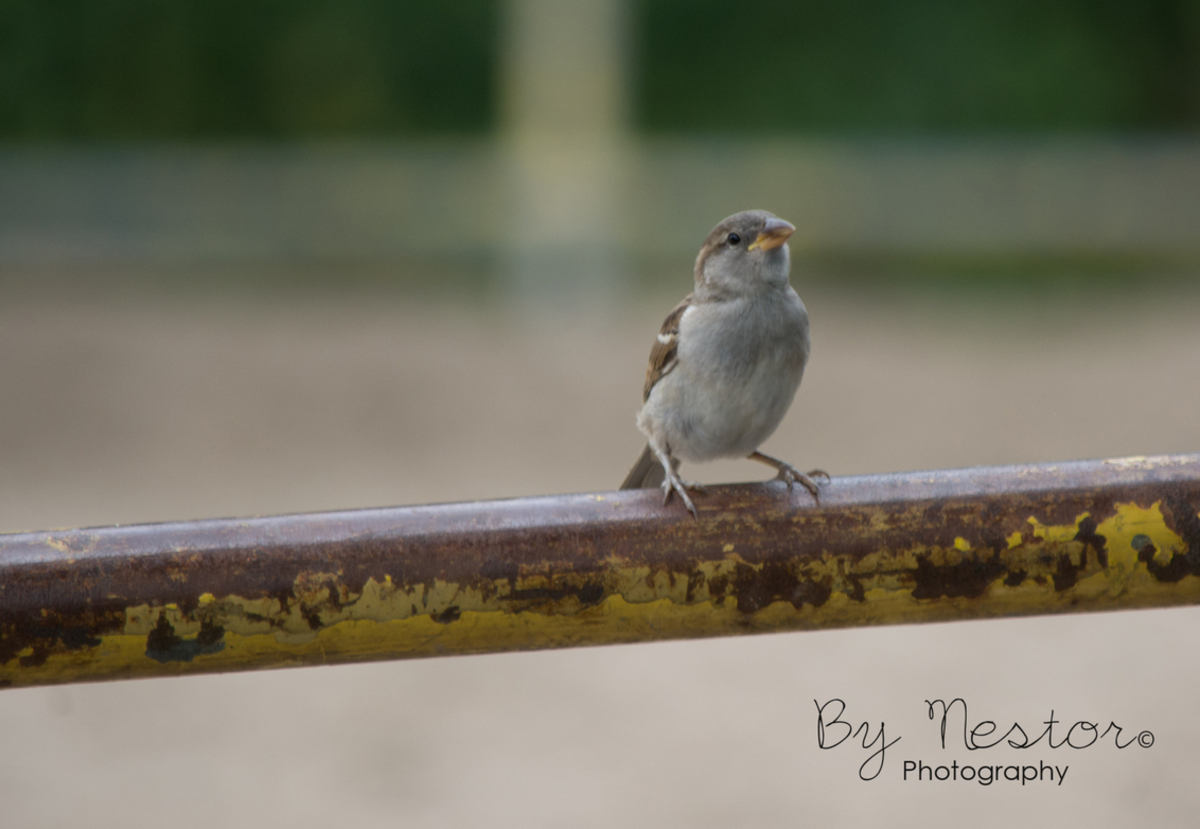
1128,523
326,621
1057,534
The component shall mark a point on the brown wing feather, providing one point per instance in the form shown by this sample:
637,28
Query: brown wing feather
647,473
663,354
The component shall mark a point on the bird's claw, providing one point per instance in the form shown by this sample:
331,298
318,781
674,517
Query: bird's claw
675,485
790,475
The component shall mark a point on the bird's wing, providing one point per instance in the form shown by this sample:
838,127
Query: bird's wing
647,473
663,354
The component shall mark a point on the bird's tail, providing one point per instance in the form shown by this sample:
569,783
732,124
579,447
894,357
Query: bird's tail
647,473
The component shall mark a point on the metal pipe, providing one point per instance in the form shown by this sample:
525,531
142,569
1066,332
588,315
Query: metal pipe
570,570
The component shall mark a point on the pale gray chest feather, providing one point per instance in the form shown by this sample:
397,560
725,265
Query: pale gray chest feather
740,363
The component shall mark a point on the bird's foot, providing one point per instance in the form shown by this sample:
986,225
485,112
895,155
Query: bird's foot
673,484
790,475
820,473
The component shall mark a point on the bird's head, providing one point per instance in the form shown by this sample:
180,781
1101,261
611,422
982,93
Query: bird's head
745,252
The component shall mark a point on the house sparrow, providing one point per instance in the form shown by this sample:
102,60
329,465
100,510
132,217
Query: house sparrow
728,360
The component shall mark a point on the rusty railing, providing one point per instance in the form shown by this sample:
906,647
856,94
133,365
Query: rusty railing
563,571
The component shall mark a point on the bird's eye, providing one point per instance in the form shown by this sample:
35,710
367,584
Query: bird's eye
734,239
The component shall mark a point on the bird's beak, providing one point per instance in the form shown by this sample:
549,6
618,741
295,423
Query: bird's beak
773,235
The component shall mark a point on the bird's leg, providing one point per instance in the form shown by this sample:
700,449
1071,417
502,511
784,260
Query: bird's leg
671,480
694,486
790,474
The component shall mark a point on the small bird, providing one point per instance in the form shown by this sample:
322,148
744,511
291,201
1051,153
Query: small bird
728,360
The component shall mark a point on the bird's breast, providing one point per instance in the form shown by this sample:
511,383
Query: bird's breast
740,364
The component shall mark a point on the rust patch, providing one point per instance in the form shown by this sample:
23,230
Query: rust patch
1169,573
312,616
966,579
53,631
32,660
450,614
1087,535
776,581
591,594
63,592
718,587
164,645
1067,572
1145,548
1180,515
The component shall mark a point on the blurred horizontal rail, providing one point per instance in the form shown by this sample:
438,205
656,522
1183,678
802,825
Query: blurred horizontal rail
408,204
562,571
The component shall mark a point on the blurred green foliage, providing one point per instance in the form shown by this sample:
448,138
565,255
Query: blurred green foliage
919,65
130,69
134,69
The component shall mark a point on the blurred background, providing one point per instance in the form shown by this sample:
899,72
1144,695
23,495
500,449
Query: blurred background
284,256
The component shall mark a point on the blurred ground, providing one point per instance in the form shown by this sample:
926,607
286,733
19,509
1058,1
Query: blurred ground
129,408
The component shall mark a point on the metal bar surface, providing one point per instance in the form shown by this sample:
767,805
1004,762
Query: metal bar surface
572,570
